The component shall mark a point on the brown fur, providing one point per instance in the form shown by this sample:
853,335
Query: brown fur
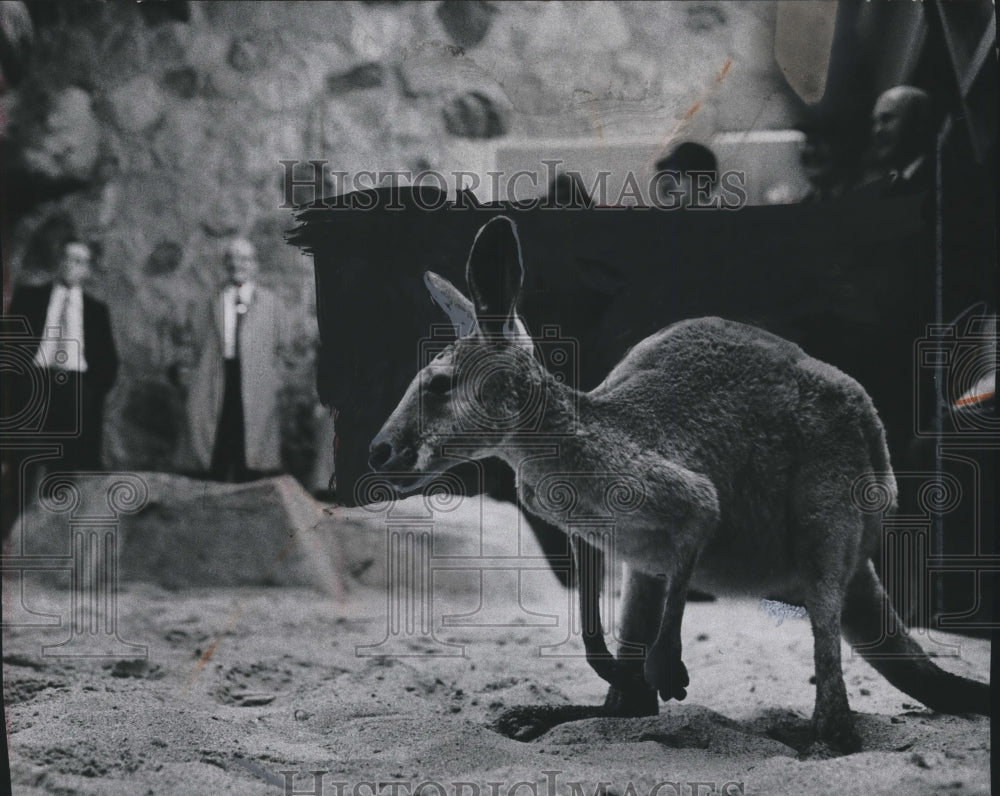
746,451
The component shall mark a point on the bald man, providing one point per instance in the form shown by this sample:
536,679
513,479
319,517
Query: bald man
233,423
901,137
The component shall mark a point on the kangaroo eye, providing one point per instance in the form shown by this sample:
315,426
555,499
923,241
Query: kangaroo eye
439,384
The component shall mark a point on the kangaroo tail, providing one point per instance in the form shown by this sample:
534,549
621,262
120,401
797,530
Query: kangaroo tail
875,630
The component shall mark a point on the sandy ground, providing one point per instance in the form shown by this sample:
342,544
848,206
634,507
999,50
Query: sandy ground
264,691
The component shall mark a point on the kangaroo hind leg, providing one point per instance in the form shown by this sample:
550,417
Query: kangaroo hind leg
828,531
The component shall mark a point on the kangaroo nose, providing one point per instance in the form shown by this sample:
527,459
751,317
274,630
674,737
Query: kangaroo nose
379,454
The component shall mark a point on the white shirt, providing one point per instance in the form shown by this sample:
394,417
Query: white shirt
231,297
910,170
907,174
61,347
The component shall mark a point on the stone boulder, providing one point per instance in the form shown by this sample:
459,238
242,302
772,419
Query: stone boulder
179,532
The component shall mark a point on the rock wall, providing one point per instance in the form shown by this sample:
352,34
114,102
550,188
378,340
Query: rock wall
157,130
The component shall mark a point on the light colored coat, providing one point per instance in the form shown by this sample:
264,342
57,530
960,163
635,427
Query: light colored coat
263,335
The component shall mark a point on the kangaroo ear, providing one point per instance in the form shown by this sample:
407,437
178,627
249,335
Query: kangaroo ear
495,274
460,311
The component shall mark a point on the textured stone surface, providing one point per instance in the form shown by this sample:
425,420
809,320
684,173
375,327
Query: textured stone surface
164,258
367,75
66,143
570,30
137,104
474,115
467,23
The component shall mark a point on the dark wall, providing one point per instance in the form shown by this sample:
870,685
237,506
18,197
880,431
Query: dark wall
848,281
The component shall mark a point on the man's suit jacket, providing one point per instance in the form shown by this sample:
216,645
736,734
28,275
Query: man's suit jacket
32,302
921,179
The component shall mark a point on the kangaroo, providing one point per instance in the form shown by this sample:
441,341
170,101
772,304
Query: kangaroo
747,451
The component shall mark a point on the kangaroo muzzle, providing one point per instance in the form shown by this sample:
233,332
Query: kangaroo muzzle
378,454
384,456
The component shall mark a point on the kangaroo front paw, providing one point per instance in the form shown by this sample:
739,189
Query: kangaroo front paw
667,674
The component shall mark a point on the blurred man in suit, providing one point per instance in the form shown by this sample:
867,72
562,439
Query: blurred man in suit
69,364
233,421
901,136
74,355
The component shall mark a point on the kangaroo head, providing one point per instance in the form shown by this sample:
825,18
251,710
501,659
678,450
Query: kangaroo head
481,388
